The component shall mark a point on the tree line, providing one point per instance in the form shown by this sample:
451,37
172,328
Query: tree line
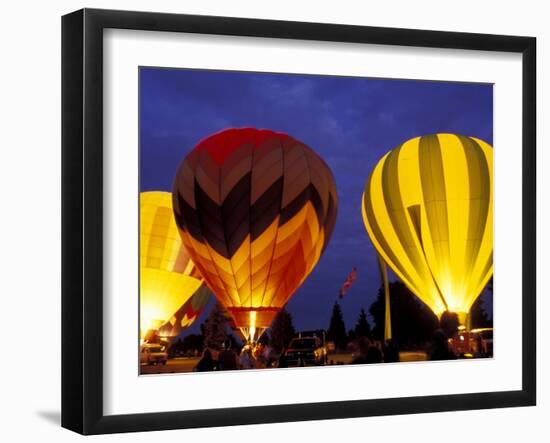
413,324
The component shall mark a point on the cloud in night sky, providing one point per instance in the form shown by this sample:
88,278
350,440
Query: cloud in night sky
350,122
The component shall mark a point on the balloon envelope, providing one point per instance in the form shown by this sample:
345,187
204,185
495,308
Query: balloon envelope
255,209
168,278
428,209
186,315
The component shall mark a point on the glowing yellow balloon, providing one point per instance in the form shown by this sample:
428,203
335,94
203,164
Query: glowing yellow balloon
168,277
428,209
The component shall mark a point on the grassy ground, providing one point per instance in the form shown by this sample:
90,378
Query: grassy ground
346,358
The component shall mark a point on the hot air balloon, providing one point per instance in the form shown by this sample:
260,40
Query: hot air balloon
255,209
428,209
185,316
169,280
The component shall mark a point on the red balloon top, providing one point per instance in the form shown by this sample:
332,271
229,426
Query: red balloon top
222,144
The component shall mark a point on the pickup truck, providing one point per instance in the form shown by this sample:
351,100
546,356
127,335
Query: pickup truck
306,351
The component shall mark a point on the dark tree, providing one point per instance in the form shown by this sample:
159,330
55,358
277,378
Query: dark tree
191,342
337,329
233,342
478,315
176,347
413,323
490,285
282,330
362,328
215,328
264,339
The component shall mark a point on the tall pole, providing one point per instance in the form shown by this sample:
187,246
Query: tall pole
387,317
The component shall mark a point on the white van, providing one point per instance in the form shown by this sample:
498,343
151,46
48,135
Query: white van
153,354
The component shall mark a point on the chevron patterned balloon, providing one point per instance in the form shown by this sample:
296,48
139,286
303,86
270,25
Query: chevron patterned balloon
255,209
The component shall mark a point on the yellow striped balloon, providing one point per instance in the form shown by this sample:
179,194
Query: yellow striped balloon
168,278
428,209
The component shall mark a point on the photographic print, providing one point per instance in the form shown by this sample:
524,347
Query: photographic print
293,220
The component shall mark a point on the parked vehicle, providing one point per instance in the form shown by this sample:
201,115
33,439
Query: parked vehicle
306,350
153,354
474,343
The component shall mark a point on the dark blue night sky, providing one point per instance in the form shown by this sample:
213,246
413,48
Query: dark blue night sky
349,122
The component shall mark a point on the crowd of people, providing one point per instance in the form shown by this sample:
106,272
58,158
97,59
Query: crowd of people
262,356
367,351
373,351
227,359
364,351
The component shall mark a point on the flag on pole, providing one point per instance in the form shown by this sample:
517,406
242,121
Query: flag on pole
347,284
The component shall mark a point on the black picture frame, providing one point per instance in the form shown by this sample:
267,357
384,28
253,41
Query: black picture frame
82,218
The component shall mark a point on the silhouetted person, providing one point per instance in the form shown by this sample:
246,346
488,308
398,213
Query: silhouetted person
361,345
391,351
227,359
438,348
449,323
206,363
374,355
282,363
246,360
479,347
